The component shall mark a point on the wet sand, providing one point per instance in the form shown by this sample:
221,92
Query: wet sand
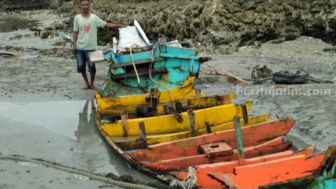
60,131
42,112
315,113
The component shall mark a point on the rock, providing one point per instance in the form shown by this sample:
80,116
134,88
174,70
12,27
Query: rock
212,22
189,43
59,26
222,38
332,23
45,34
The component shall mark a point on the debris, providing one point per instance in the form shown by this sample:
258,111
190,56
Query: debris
261,74
230,76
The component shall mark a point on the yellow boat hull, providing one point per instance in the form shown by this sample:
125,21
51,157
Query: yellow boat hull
131,143
169,124
117,105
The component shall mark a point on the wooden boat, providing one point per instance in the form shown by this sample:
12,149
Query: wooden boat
154,107
180,154
168,164
171,123
261,139
116,105
287,169
134,143
162,66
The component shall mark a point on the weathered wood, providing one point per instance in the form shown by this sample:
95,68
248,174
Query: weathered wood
245,114
124,117
207,101
143,136
140,62
208,127
127,75
192,127
239,139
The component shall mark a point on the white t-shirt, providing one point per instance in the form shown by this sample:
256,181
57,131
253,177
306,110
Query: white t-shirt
87,31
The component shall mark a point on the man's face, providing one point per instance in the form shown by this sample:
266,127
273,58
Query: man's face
85,5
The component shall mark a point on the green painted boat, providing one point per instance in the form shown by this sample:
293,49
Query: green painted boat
160,66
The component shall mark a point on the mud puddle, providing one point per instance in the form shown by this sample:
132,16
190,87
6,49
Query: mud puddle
12,23
60,131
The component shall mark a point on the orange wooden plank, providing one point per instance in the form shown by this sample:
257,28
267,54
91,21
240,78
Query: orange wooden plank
204,181
276,145
253,135
276,171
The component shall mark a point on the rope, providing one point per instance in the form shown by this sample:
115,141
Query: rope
72,170
159,83
177,115
135,69
227,74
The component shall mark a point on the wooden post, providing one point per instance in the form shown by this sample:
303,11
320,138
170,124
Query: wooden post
124,117
245,115
208,127
143,136
239,140
192,126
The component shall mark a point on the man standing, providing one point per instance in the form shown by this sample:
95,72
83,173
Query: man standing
85,40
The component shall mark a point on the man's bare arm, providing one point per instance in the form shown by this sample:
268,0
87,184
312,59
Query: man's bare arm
114,26
75,37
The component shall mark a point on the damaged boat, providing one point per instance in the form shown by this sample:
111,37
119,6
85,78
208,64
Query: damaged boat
230,159
150,113
136,66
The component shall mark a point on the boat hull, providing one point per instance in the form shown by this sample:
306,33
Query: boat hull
163,67
169,123
115,105
271,129
132,143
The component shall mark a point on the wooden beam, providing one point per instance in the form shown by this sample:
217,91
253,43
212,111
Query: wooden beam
143,136
192,127
127,75
146,61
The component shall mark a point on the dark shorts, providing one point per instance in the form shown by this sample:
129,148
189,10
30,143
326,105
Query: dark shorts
83,59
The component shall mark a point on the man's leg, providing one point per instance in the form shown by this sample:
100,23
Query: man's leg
92,70
92,76
88,86
81,58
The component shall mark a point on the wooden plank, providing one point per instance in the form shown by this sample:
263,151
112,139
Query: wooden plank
253,135
164,164
204,181
127,75
136,63
276,171
208,101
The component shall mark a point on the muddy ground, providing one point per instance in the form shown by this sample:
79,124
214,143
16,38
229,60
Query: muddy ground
43,114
